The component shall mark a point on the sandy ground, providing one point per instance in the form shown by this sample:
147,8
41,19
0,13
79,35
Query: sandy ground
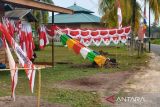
145,84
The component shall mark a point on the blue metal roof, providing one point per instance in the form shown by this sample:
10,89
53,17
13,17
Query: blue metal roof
76,18
78,9
81,15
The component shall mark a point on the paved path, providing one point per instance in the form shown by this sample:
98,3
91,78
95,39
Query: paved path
155,49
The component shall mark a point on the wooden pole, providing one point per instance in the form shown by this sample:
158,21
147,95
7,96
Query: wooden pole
149,27
133,26
52,42
39,88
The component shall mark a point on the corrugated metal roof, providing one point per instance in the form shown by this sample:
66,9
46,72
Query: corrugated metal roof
81,15
76,18
20,13
78,9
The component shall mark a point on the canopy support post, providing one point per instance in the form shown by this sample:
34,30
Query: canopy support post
52,42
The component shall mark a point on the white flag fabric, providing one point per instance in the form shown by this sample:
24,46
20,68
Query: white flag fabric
84,51
119,13
26,63
13,71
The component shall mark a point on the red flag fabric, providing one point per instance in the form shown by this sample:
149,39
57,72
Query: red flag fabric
24,60
43,40
77,47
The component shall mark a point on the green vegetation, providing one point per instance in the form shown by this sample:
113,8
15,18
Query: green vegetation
108,9
62,72
155,41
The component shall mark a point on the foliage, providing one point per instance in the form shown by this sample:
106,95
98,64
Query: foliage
108,9
42,16
155,41
155,8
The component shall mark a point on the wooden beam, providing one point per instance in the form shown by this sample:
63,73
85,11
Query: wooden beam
32,4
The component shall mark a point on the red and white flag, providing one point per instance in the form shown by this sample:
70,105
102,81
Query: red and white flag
43,39
13,71
119,13
26,40
26,63
24,60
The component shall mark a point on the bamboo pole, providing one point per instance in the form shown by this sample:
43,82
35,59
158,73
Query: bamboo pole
52,42
39,88
20,69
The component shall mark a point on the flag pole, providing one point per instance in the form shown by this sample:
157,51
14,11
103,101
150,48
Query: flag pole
52,42
149,28
39,88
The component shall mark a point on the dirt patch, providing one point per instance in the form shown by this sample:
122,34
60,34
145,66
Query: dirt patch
25,101
106,81
145,84
148,79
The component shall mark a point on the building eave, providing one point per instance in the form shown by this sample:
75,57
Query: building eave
31,4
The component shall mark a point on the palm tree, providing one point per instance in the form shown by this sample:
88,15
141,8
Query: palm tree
155,8
108,9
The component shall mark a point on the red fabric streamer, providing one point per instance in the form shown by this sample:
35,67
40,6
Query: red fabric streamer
77,47
94,33
103,33
84,33
112,32
51,30
7,35
74,33
120,31
127,29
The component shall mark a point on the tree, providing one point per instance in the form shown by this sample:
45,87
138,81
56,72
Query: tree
108,9
155,8
42,16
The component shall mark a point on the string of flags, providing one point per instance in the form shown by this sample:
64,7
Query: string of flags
79,48
23,60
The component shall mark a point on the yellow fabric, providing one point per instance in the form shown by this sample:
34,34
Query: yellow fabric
70,43
100,60
76,40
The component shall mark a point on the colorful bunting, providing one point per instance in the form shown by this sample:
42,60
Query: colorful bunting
90,56
98,36
79,48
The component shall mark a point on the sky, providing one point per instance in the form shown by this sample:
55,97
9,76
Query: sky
88,4
93,6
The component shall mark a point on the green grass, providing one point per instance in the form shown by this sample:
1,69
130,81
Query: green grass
155,41
62,72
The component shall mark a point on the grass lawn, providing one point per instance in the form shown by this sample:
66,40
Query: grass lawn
155,41
65,72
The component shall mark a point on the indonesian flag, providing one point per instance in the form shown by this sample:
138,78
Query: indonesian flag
10,26
43,40
26,63
119,13
13,71
24,60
